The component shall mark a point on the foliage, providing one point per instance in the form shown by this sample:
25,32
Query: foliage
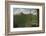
25,20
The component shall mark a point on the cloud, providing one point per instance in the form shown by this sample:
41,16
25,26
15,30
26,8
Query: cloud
25,11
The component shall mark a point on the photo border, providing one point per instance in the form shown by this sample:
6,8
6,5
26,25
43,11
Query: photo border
29,28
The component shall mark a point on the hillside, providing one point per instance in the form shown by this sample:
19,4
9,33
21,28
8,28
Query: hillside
25,20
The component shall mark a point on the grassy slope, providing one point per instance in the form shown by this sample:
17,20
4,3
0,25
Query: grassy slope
24,20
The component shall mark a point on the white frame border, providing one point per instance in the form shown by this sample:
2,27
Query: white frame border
25,29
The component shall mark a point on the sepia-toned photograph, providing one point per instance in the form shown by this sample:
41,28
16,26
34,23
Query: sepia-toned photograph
25,17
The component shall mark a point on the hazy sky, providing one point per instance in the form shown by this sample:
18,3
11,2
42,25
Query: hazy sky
25,11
